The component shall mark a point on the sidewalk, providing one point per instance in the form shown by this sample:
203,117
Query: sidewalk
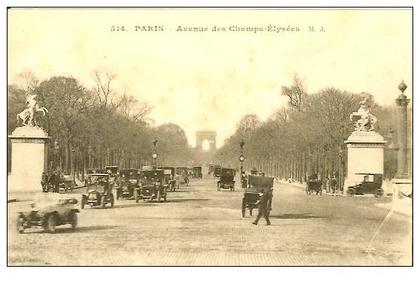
401,206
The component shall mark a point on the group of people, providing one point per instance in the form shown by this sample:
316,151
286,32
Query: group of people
331,184
50,181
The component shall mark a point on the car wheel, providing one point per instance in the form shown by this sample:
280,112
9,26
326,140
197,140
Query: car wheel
250,212
19,224
243,209
112,200
73,220
50,223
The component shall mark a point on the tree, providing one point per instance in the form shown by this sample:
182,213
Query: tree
296,93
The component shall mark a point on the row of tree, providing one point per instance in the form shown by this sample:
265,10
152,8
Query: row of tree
91,128
306,136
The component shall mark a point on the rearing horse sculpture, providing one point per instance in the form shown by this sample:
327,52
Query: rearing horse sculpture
27,115
365,121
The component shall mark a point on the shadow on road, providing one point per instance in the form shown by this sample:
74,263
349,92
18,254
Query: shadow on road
296,216
133,205
186,200
66,229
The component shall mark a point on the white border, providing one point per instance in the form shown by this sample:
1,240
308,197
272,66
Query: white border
210,273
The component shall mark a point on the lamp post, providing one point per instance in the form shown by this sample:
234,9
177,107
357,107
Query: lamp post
154,154
402,102
242,158
57,155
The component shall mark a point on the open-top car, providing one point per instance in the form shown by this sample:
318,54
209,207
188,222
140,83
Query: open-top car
183,174
226,180
371,184
170,178
256,187
98,191
49,215
127,183
151,186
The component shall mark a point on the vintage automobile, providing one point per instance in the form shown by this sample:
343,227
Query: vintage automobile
128,182
49,215
170,178
371,184
226,180
66,184
257,185
151,186
197,172
98,191
314,185
183,174
217,171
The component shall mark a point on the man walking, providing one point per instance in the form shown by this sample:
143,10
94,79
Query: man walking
264,206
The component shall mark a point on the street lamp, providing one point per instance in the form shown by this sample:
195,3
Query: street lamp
57,155
242,158
154,154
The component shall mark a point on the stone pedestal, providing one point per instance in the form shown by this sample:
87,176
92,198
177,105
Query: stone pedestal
28,159
365,154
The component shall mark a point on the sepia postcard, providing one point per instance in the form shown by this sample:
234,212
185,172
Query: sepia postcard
209,136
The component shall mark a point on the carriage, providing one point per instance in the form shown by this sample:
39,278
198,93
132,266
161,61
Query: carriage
371,184
151,186
128,181
227,179
98,191
314,185
256,187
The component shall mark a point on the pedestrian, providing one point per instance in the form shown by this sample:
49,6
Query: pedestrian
264,206
333,184
327,184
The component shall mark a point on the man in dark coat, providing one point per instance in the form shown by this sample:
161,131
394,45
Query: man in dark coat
264,206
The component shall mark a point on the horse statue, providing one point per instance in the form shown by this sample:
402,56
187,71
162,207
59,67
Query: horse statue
28,114
364,120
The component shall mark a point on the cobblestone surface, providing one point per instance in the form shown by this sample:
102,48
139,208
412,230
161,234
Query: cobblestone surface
201,226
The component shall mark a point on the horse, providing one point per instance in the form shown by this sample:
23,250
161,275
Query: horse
27,115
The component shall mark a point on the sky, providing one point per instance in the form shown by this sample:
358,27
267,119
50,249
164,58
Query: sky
209,80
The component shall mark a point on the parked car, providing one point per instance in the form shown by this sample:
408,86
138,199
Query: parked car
371,184
98,191
226,180
49,215
151,186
